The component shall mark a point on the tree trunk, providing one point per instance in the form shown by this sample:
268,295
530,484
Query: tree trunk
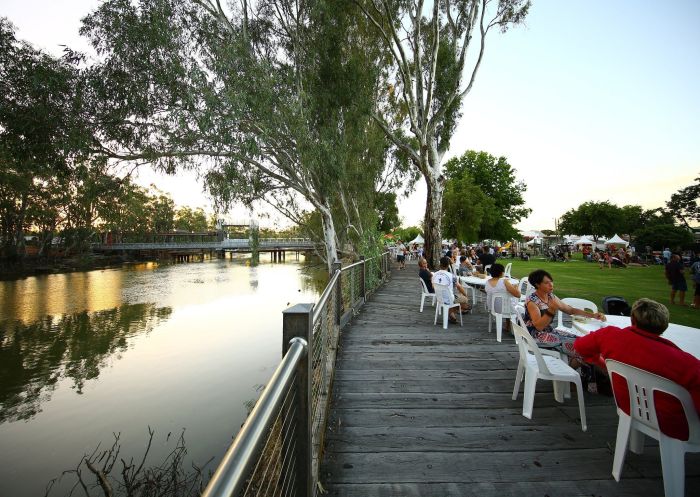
329,238
431,222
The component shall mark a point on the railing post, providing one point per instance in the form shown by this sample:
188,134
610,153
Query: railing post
297,322
363,279
338,292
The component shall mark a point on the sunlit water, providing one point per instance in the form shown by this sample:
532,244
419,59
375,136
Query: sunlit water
83,355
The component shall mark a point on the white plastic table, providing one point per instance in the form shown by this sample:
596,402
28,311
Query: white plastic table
687,338
475,281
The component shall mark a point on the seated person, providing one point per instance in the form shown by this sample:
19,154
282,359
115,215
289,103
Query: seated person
499,284
445,277
541,310
486,259
425,274
465,267
642,346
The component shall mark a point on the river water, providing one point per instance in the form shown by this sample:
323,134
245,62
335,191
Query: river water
170,347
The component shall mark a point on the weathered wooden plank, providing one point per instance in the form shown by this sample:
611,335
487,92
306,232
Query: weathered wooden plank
497,400
435,386
629,487
465,375
485,466
466,438
502,417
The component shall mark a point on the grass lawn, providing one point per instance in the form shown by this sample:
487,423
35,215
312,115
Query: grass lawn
586,280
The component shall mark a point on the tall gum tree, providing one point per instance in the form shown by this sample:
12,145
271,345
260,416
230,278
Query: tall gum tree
431,71
234,90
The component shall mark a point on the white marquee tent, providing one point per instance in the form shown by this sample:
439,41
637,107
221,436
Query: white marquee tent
616,240
584,240
418,239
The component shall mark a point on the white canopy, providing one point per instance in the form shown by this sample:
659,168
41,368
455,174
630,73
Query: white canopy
584,240
419,240
534,241
616,240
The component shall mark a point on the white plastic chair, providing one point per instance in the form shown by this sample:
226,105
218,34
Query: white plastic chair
536,363
499,306
518,317
425,294
487,269
578,304
443,307
643,420
525,288
506,272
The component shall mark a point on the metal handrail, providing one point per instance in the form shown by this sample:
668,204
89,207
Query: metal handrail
325,295
285,430
236,464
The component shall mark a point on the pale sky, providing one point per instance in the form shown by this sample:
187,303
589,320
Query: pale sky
589,100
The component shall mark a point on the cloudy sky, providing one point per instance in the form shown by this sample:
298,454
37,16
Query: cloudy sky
589,100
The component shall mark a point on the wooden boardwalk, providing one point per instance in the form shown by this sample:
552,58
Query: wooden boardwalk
422,411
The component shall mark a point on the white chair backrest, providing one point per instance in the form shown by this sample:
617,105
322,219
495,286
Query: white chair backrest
506,272
525,288
440,290
454,267
641,386
423,285
580,303
519,313
528,345
487,269
500,303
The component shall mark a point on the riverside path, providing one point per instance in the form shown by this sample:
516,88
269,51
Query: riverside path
422,411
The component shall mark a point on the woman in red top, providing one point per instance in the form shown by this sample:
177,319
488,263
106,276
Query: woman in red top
641,346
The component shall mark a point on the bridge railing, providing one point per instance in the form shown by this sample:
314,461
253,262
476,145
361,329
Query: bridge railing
278,450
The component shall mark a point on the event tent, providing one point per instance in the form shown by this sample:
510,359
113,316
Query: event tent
585,241
616,240
419,240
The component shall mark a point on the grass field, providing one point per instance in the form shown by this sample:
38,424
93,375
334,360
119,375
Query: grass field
586,280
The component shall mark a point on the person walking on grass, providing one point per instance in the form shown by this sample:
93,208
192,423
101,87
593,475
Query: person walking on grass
695,271
676,278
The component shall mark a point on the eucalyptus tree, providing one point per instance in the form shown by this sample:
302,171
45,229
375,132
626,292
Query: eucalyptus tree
270,98
43,130
432,70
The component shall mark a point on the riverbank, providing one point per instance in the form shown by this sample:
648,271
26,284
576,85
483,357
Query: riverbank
34,266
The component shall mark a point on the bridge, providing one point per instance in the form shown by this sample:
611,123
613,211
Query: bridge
372,399
242,245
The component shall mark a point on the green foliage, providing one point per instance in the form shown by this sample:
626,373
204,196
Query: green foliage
483,199
664,235
406,234
387,211
592,218
189,219
684,204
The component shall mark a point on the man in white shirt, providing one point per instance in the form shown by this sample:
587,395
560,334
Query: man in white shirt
445,277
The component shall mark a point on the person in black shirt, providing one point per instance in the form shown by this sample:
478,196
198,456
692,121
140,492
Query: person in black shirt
486,259
425,274
676,278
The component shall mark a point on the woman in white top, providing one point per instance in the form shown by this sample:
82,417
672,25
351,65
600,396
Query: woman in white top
501,285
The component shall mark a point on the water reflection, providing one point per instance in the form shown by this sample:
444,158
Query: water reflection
33,298
34,357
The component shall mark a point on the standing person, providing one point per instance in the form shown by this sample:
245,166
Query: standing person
695,270
445,277
401,255
676,278
667,255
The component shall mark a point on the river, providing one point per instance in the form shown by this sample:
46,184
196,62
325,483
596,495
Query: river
166,346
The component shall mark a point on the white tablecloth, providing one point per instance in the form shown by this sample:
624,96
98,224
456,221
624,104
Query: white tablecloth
687,338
